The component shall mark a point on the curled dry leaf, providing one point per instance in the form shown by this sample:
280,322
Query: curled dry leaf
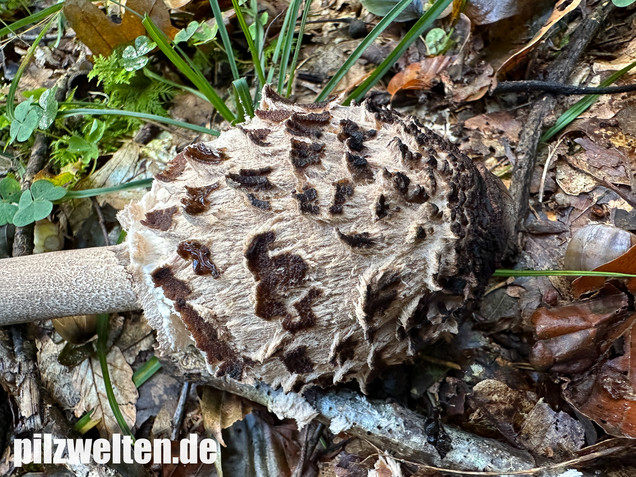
571,338
90,380
220,410
607,392
419,76
561,9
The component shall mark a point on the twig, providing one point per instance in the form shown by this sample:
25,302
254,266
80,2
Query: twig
180,411
553,87
529,141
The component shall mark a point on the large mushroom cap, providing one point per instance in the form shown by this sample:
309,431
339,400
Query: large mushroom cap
313,244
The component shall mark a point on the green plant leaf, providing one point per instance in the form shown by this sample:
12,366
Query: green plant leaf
205,34
7,212
30,211
46,190
79,145
133,57
49,106
435,41
623,3
186,33
26,119
10,189
96,132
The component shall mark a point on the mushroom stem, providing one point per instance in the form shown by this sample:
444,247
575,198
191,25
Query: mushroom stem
70,282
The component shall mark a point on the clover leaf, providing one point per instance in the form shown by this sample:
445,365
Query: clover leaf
35,204
9,194
26,118
186,33
133,57
49,106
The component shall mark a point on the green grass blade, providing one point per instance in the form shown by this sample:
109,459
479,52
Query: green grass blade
558,273
195,76
146,371
301,33
227,44
34,18
85,423
250,42
287,44
357,53
245,99
583,104
161,79
412,35
102,337
279,44
23,64
86,193
133,114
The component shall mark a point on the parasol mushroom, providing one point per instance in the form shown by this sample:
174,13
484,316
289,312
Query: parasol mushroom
314,244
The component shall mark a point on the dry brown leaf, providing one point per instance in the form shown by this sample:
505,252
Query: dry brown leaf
90,381
607,393
419,76
561,9
220,410
570,338
93,27
626,263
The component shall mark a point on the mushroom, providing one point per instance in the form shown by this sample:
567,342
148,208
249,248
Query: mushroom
314,244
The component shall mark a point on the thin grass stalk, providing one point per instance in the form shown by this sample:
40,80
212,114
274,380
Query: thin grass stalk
227,44
23,64
583,104
250,43
146,116
279,46
362,47
411,36
301,33
33,18
287,45
183,64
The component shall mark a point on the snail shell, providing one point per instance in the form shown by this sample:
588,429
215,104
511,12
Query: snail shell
595,245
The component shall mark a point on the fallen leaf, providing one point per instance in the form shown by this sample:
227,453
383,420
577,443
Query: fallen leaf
607,393
220,410
419,76
561,9
570,338
626,263
101,35
90,381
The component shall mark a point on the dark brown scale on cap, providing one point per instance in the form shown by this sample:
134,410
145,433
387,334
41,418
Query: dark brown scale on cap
344,351
196,199
174,169
303,154
401,182
381,207
200,255
306,317
275,275
353,136
305,199
273,115
362,240
344,189
258,203
202,153
160,219
172,287
297,361
257,136
252,178
207,340
307,125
